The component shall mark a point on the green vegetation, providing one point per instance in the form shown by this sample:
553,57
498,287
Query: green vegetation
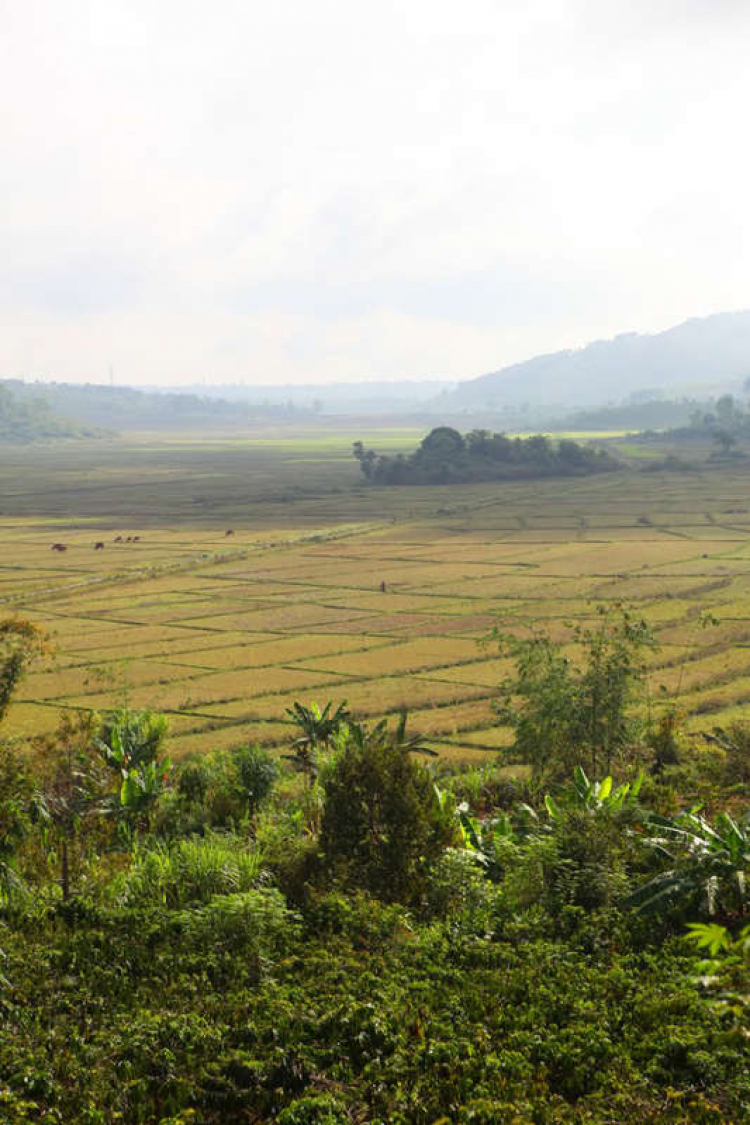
447,457
125,408
30,418
385,943
559,713
652,414
538,916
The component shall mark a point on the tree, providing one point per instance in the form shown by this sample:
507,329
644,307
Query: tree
75,791
724,441
20,642
443,440
15,800
383,821
725,410
562,714
366,458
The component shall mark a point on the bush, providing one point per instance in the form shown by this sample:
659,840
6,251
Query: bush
383,824
319,1110
256,773
217,790
191,870
246,920
458,892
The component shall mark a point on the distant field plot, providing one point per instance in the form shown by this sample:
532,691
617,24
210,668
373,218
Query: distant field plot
403,656
224,632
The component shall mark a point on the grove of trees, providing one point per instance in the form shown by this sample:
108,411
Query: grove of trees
447,457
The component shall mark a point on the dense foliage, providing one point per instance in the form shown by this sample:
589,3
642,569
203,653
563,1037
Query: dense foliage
447,457
371,938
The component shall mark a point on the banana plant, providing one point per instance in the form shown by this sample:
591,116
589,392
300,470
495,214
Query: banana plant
708,862
317,728
129,743
484,838
594,796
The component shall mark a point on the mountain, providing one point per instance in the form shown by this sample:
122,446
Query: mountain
702,354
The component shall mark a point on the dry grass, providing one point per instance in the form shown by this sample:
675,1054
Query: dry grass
226,633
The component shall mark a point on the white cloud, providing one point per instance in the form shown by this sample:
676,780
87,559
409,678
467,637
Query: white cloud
302,192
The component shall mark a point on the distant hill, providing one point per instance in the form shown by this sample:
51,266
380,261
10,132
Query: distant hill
30,419
700,354
123,408
367,397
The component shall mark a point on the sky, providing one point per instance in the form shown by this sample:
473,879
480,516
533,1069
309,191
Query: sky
345,190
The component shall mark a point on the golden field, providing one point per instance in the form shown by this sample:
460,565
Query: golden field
223,633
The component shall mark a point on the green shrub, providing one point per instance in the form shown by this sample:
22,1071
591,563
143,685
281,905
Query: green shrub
383,823
217,790
189,870
256,773
321,1109
458,892
256,920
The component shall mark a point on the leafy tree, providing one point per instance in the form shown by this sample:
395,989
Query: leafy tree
256,773
20,642
383,822
561,714
75,792
724,440
16,788
366,458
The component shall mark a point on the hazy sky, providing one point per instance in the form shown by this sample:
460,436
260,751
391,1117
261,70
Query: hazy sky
299,191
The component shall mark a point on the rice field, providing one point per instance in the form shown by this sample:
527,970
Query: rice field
224,632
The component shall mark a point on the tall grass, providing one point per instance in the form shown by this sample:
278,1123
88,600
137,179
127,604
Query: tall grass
189,871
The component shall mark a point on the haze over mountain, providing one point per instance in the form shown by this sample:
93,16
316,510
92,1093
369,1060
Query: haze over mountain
701,355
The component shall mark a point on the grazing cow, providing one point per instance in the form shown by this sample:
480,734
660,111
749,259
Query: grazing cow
118,539
230,532
98,546
129,539
59,547
382,587
136,538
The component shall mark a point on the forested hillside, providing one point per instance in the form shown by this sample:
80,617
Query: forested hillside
702,352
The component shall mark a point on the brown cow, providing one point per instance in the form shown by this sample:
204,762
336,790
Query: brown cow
98,546
230,532
118,539
59,547
136,538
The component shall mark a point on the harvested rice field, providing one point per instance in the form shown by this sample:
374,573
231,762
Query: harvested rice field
223,632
